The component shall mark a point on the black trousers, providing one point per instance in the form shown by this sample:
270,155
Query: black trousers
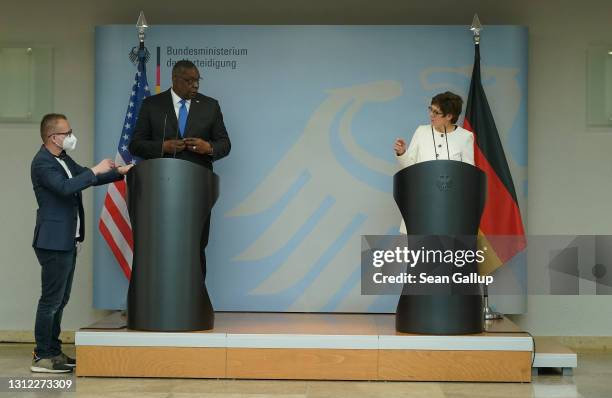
57,272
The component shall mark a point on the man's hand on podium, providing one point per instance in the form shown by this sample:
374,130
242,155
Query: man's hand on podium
198,145
174,146
124,169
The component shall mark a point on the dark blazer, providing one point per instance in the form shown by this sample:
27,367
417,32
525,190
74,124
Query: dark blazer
59,199
205,121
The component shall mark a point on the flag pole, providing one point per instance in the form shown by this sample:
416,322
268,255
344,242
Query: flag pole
142,25
476,28
114,223
489,314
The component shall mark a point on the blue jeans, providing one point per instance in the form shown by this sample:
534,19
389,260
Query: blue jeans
56,277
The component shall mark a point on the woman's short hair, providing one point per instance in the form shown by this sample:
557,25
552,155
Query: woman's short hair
449,104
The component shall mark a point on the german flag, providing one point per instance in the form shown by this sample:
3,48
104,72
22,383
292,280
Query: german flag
157,73
501,227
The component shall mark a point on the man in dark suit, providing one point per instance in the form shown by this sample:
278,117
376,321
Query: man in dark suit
181,123
57,181
184,124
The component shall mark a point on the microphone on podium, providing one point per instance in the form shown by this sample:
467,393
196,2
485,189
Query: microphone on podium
164,135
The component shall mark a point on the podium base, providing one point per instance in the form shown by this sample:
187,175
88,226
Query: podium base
439,315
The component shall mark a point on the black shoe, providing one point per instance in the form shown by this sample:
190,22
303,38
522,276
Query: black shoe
49,365
68,361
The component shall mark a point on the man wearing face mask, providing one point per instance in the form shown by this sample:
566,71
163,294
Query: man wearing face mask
183,124
57,181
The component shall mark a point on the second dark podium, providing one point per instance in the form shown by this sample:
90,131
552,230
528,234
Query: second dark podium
169,201
441,201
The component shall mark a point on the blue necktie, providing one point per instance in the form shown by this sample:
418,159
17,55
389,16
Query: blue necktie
182,119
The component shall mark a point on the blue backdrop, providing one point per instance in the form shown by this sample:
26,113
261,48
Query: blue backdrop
312,113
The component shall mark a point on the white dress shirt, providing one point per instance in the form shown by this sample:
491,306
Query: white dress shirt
424,147
78,226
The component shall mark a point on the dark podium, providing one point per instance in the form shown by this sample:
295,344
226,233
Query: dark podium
441,201
169,201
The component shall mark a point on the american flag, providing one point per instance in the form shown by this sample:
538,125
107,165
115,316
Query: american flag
114,222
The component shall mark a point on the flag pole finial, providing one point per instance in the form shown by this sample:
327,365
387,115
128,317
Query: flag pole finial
140,51
476,28
142,25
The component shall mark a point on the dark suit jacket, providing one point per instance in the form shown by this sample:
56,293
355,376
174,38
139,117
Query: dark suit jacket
59,199
205,121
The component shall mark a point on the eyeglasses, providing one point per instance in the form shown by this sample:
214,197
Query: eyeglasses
434,112
191,82
67,133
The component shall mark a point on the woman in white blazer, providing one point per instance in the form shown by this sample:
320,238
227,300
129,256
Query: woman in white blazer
442,139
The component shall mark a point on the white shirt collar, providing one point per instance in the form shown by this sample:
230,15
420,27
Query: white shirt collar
176,100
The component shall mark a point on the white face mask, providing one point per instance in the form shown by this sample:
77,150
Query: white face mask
69,143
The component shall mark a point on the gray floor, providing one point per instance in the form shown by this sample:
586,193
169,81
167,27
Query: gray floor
592,379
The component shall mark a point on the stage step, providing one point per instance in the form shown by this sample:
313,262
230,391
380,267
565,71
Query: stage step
307,346
552,354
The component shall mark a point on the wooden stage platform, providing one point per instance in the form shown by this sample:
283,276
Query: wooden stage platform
305,346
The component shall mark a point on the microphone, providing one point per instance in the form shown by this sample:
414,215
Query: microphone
164,135
175,138
446,136
433,139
